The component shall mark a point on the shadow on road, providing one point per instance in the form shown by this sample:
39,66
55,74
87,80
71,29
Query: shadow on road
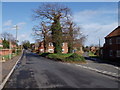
97,60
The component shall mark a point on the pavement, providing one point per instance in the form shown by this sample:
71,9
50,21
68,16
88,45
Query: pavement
8,65
102,67
34,71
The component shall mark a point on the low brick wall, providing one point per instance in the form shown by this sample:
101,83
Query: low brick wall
5,51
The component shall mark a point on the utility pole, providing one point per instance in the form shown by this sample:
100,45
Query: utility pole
99,46
16,27
99,42
10,49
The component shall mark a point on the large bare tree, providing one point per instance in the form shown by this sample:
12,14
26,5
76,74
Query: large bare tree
53,12
41,32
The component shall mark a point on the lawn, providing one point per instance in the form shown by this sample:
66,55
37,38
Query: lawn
91,54
70,57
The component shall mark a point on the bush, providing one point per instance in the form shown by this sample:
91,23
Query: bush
75,57
64,57
44,54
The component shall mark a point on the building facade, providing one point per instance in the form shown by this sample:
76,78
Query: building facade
1,43
111,48
50,47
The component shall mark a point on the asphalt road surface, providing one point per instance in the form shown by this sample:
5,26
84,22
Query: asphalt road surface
34,71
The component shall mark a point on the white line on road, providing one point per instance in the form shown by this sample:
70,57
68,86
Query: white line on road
7,77
100,71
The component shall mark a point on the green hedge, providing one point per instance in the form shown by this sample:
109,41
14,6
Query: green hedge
64,57
75,57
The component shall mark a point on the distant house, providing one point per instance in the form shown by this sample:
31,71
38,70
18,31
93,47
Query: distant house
1,43
50,47
111,48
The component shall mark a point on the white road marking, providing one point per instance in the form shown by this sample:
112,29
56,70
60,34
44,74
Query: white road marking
7,77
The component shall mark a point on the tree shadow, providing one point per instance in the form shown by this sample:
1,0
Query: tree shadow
97,59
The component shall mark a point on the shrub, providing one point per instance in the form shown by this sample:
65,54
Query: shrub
44,54
75,57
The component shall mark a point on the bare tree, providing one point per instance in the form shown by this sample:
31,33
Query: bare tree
53,13
9,37
41,33
71,32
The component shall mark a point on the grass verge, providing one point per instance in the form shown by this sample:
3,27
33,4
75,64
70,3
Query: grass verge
71,57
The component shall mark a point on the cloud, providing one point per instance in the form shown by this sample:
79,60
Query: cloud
94,15
97,31
23,37
96,23
21,24
7,23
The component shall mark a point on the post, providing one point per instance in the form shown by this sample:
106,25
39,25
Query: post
10,49
16,27
99,47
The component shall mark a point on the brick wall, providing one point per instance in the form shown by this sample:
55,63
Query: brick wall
5,51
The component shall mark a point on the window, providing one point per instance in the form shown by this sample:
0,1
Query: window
50,50
41,50
111,53
118,53
62,44
101,51
118,40
110,41
50,44
62,50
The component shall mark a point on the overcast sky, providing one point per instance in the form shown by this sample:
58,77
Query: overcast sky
96,19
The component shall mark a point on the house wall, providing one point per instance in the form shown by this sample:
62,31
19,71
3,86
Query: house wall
113,46
65,48
5,51
1,43
50,48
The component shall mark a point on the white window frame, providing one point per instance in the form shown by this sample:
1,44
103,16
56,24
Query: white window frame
111,53
63,50
118,53
41,50
50,50
50,44
110,41
101,51
63,44
117,40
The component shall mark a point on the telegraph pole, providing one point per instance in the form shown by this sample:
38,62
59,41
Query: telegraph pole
16,27
10,49
99,46
99,42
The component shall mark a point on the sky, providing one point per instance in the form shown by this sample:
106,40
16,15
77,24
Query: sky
96,19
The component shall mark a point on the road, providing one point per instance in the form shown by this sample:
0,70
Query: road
34,71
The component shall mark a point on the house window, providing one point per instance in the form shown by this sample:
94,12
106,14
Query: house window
41,50
50,50
118,53
101,51
118,40
63,44
50,44
62,50
110,41
111,53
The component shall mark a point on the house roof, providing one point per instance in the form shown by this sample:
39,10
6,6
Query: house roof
115,32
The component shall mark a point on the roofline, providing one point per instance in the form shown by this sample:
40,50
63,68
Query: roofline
112,32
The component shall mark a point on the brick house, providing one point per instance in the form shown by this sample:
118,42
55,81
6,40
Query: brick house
111,48
50,47
1,43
